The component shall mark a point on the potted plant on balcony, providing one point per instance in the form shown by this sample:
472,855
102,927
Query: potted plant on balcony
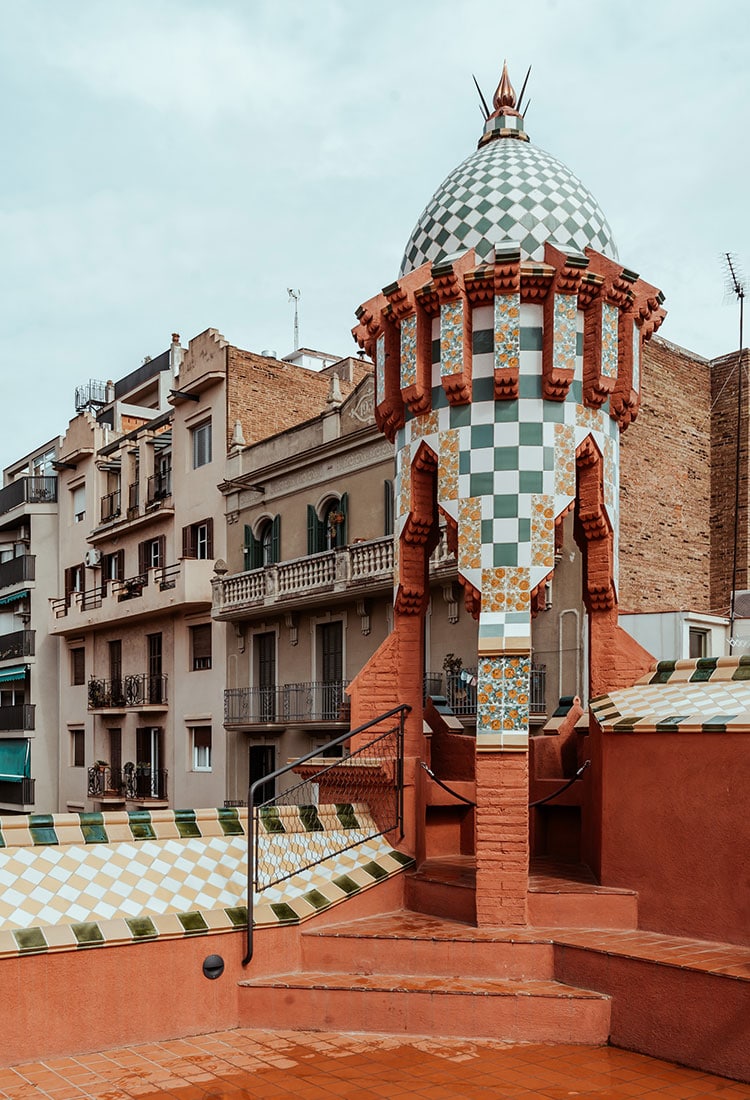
452,666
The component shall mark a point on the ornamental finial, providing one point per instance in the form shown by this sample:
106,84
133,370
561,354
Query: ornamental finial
504,100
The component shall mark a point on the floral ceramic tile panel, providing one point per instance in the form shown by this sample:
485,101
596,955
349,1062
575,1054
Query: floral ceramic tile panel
517,590
493,589
565,460
451,338
566,308
503,694
469,533
636,383
610,319
542,530
507,331
425,425
448,463
404,481
380,370
408,351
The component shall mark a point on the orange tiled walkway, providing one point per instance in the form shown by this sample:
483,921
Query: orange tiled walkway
234,1065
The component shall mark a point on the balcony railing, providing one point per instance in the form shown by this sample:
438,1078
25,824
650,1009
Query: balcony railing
159,487
110,506
460,690
28,490
19,643
17,793
18,717
134,500
127,691
142,782
286,703
17,570
105,781
131,588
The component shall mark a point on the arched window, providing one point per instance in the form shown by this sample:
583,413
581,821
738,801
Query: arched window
327,525
263,548
266,543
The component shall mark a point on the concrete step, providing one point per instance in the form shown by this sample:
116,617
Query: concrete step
414,943
565,896
534,1010
443,887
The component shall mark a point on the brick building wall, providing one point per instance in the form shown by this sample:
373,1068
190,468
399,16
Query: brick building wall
665,472
724,390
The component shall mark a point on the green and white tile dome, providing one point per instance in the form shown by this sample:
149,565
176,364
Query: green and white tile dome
508,190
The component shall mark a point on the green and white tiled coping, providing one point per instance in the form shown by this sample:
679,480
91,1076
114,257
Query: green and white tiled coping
95,879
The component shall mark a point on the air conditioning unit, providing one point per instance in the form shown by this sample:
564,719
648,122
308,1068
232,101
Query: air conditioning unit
93,558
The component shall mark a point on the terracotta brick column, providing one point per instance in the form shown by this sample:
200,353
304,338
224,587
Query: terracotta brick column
502,837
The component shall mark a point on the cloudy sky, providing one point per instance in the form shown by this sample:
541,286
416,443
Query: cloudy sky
170,165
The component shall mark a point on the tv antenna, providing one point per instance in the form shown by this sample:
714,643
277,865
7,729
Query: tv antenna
294,296
736,286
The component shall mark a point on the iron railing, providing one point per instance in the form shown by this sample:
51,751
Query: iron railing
110,506
130,588
138,690
159,487
90,393
17,717
133,500
103,780
460,690
371,775
28,490
19,643
17,570
284,703
18,792
143,781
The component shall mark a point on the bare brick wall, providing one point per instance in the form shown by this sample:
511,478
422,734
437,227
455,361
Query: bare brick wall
724,389
665,502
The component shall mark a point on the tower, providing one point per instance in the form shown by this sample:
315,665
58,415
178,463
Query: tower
507,360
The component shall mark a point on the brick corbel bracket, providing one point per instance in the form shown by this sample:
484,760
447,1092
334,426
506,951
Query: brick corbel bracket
449,286
400,295
599,587
569,269
640,315
419,536
375,321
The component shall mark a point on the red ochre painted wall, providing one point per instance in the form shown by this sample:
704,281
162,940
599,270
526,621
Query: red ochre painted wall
675,828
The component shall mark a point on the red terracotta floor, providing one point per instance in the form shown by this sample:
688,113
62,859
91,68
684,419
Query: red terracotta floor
233,1065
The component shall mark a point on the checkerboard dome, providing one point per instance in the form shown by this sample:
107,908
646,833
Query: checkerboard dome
508,190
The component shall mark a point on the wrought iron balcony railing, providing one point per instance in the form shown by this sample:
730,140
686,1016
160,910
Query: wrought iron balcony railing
460,690
110,506
159,487
131,588
18,717
28,490
17,570
142,782
104,781
287,703
19,643
127,691
134,500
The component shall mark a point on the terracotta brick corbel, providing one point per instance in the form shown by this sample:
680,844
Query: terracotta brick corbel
376,320
472,597
507,280
569,269
418,397
599,589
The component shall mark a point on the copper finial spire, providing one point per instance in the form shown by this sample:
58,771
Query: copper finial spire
504,100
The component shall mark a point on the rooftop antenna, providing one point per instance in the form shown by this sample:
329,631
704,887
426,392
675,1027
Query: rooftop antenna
294,296
485,109
736,286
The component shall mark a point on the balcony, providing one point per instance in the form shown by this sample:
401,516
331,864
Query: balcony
460,690
18,794
134,502
287,704
28,490
18,717
158,488
186,585
110,506
145,784
19,643
127,692
105,784
17,570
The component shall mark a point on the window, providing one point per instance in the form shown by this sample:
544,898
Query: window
198,540
388,507
78,665
113,568
201,738
78,503
327,530
200,647
77,749
74,582
156,685
202,445
151,553
698,642
150,779
266,548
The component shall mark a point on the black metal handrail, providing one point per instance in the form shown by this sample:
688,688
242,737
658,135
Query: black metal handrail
345,774
141,689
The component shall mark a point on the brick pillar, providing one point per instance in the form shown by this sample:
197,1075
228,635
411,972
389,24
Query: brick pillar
502,838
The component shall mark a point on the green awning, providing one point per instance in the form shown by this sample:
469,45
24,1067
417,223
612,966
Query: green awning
15,760
16,673
15,597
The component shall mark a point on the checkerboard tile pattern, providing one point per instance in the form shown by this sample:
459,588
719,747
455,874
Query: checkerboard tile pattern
74,880
703,695
508,190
